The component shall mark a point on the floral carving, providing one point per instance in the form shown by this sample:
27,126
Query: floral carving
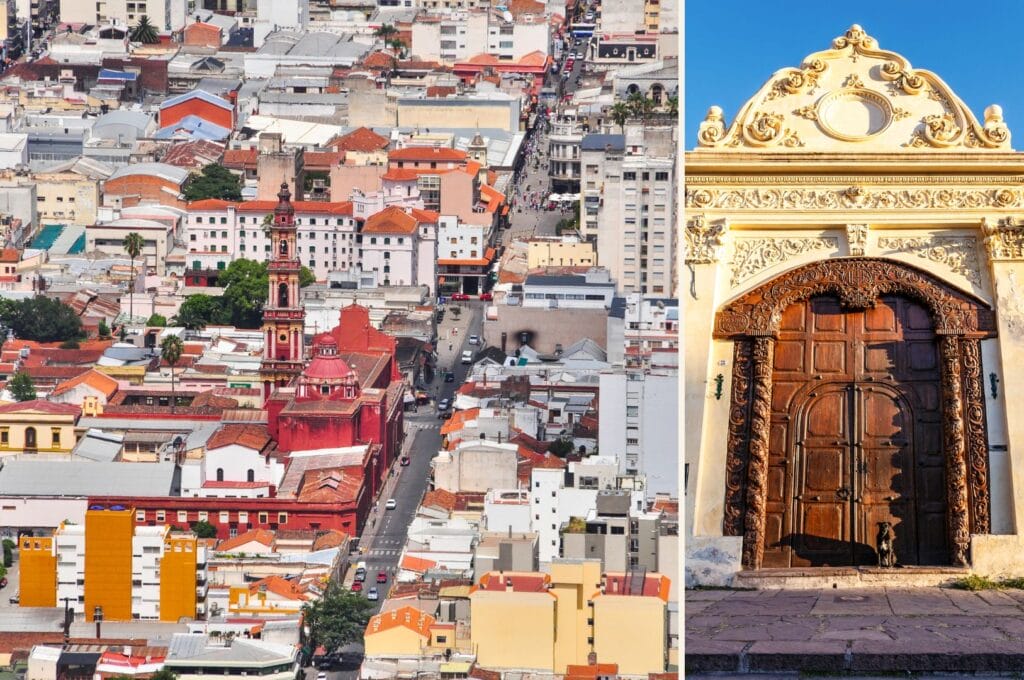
762,357
953,448
754,255
976,434
853,80
739,440
703,239
941,130
1004,240
959,253
857,238
712,129
809,112
853,197
798,80
854,37
902,78
759,311
765,127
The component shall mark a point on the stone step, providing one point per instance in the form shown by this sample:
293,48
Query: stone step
847,577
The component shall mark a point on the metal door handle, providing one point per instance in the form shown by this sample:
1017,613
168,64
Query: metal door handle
890,498
843,494
816,498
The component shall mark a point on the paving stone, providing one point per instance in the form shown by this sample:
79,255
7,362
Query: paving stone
707,595
809,656
929,656
955,633
997,598
709,656
850,635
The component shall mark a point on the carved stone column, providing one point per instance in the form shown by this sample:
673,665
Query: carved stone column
976,435
953,445
738,451
763,360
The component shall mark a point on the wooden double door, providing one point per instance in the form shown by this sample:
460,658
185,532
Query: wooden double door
855,436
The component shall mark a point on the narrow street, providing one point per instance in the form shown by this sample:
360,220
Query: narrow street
389,528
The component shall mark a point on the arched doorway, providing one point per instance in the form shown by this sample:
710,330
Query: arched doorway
856,400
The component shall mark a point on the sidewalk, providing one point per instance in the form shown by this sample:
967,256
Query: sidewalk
858,630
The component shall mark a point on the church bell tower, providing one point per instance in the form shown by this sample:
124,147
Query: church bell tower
283,315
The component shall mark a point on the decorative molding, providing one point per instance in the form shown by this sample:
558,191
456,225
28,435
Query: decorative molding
858,282
754,255
857,239
738,450
811,181
953,450
703,239
763,359
977,436
959,253
1004,239
853,198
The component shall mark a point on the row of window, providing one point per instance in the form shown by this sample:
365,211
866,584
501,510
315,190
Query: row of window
311,221
646,176
224,517
31,437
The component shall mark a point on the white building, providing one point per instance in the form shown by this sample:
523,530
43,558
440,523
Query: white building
165,15
591,290
477,466
400,245
507,510
237,464
458,240
13,150
639,424
628,191
198,657
461,34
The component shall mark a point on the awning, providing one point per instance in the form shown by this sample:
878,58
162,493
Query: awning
455,667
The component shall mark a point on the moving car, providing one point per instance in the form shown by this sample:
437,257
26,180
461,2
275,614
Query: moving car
391,504
444,404
404,461
474,339
449,377
382,577
444,415
372,595
360,575
467,356
357,587
321,676
460,296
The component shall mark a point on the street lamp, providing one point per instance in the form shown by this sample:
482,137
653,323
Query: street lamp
97,616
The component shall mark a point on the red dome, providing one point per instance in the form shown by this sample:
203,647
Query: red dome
327,366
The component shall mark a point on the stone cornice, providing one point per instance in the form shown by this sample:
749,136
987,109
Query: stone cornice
1001,163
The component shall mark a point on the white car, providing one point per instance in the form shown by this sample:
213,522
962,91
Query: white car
321,676
474,339
467,356
372,596
391,504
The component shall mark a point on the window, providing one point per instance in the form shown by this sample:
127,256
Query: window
182,516
282,518
204,516
629,176
661,177
140,515
160,515
442,639
4,437
263,518
250,476
220,474
30,438
199,219
243,517
225,517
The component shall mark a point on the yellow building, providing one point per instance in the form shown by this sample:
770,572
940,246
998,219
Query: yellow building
111,565
38,426
38,569
273,595
548,622
67,197
402,632
564,252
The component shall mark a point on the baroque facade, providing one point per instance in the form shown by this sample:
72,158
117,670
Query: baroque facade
854,250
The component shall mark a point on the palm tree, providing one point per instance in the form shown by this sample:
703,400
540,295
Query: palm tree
673,104
621,112
640,106
145,32
170,351
132,245
386,31
398,45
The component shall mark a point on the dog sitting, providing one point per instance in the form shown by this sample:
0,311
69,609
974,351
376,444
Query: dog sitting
886,545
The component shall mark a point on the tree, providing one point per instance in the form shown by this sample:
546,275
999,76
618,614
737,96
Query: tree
386,31
673,104
620,114
145,32
170,351
103,329
215,181
336,619
640,106
398,45
21,387
198,311
158,320
164,674
245,292
561,447
70,344
132,245
306,276
204,529
41,319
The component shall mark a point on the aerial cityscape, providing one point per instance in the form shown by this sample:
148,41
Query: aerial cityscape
340,339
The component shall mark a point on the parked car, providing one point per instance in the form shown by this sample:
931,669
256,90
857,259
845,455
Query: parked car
444,404
357,587
391,504
467,356
382,577
486,297
449,377
460,297
422,397
372,595
404,461
444,415
321,676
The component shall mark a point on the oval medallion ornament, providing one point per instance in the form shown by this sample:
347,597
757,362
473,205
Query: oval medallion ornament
854,114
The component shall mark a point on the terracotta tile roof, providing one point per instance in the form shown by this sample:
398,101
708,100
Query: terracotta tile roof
408,617
667,505
417,564
99,381
518,7
425,216
250,436
10,255
279,586
403,174
322,160
435,91
339,485
262,536
391,220
459,420
240,158
483,674
655,585
43,406
439,498
361,140
378,60
210,398
521,582
194,153
427,154
330,539
54,373
492,197
415,65
578,672
316,207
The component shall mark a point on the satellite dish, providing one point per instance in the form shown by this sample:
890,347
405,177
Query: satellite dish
507,16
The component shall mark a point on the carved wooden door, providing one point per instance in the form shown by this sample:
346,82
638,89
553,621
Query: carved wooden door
855,436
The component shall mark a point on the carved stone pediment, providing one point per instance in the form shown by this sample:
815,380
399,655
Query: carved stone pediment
1004,239
856,97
